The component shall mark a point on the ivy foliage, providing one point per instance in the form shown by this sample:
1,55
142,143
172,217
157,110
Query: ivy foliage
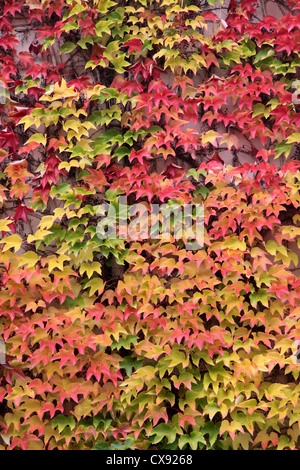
119,343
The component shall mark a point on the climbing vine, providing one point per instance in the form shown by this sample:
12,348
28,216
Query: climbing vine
115,343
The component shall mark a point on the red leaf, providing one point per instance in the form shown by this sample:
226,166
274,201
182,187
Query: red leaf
95,178
216,158
42,192
129,86
35,91
36,70
97,51
265,154
148,69
36,14
281,113
35,47
139,155
29,147
232,5
8,139
268,22
137,68
133,45
21,212
26,58
5,23
182,82
87,25
56,7
9,41
174,172
54,143
210,16
11,8
80,83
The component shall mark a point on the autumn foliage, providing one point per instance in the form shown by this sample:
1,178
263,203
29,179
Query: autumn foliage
116,344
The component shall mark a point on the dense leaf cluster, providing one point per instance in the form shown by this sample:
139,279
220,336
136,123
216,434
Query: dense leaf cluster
143,343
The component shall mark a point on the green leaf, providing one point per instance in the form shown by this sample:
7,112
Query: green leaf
196,173
111,49
95,117
121,445
232,56
75,11
121,152
212,429
263,54
283,442
147,45
96,285
84,41
104,5
61,422
100,423
212,2
70,26
260,296
283,148
130,363
260,109
193,439
48,42
125,342
119,63
67,47
160,432
101,446
211,409
60,189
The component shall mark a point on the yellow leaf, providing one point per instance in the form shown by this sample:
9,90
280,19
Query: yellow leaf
59,212
47,222
210,136
55,261
13,241
89,125
94,91
276,390
4,225
60,91
39,138
90,268
104,5
95,284
293,138
39,235
77,134
272,247
72,124
235,243
230,140
29,121
64,165
147,372
30,258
